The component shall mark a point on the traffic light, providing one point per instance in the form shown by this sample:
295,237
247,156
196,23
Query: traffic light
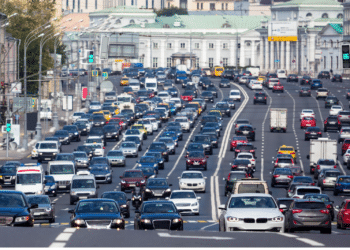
8,125
91,56
346,56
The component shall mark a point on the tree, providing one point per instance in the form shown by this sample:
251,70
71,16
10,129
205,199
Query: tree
171,11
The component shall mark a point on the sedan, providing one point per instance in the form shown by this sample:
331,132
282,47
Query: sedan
312,133
307,121
129,149
192,180
45,210
116,158
292,78
335,109
157,187
148,161
277,88
196,159
237,139
247,156
81,159
304,91
343,216
337,78
185,201
281,176
121,199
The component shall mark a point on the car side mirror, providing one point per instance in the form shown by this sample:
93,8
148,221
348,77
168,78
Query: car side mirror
198,198
337,207
283,206
308,157
120,177
222,207
71,211
34,205
98,186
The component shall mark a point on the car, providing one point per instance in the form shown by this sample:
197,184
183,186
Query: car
101,171
63,136
89,150
196,159
342,185
277,88
330,101
81,159
97,214
98,148
324,198
158,157
305,91
335,109
316,84
241,165
129,149
344,117
207,96
240,122
247,156
224,83
305,80
185,201
130,178
233,176
300,191
245,147
135,139
308,215
254,84
224,108
243,212
95,105
327,178
307,121
158,215
307,113
286,202
228,74
345,146
343,216
65,157
8,175
247,131
282,176
304,180
344,133
337,78
296,170
321,93
116,158
288,150
45,210
205,141
292,78
170,143
192,180
121,199
50,185
156,187
159,147
148,161
235,95
331,123
111,132
260,97
324,74
312,133
282,161
237,139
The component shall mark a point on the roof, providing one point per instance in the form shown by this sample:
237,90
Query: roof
251,194
122,10
337,27
309,2
329,20
76,17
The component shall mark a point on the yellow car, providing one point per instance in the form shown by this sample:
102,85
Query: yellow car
215,112
261,79
98,112
218,71
107,114
141,128
288,150
124,81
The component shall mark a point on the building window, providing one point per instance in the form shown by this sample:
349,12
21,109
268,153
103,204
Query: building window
78,5
225,45
201,6
211,62
337,62
168,62
73,4
132,21
331,43
331,62
324,62
182,45
227,6
197,6
224,62
222,6
324,15
196,45
96,4
324,44
155,45
67,4
86,4
197,63
168,45
155,62
142,60
309,15
212,6
211,45
340,16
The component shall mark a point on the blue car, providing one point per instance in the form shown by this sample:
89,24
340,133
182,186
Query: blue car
50,185
148,172
177,130
148,161
173,109
342,185
316,84
181,77
158,157
8,175
102,173
170,134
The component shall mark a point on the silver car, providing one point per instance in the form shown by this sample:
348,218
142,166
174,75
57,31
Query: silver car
324,164
327,178
170,144
129,149
116,157
135,139
45,210
81,159
344,134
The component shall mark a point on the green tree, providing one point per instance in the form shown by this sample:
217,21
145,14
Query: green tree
171,11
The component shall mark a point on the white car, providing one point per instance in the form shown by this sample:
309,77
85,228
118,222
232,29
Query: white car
335,109
184,122
99,149
134,132
306,113
161,109
77,115
177,101
247,156
251,211
164,95
281,73
243,79
192,180
95,106
235,95
255,85
147,124
154,123
185,201
346,156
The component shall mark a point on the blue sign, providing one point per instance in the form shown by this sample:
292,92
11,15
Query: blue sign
277,60
80,51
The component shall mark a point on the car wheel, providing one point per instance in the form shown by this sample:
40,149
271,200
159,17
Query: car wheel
205,167
326,230
187,168
71,202
196,214
221,227
140,148
52,220
335,193
338,225
272,184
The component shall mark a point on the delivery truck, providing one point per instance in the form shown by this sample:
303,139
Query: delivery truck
278,119
322,148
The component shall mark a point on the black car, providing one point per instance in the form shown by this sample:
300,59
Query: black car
324,74
97,213
330,101
247,131
8,175
245,147
228,74
312,133
332,122
121,199
233,176
205,141
98,131
158,215
224,83
213,90
337,78
292,78
306,80
63,136
224,108
89,150
207,96
241,165
111,132
284,201
157,188
260,97
208,118
15,210
213,138
82,127
194,147
161,148
305,91
73,131
230,102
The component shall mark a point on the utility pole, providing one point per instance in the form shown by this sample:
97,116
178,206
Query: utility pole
78,83
55,116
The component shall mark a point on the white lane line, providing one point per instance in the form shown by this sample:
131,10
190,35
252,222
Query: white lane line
213,208
63,237
341,167
288,235
209,226
168,235
57,245
311,242
217,195
262,168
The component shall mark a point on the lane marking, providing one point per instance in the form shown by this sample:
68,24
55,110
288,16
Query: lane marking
63,237
311,242
167,235
209,226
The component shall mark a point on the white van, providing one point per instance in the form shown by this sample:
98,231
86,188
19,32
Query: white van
134,84
30,180
235,95
62,172
281,73
151,84
45,150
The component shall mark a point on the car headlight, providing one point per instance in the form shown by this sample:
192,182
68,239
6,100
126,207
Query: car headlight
118,221
40,192
147,190
232,219
123,206
34,151
139,165
66,138
76,133
53,186
194,204
73,193
79,222
40,153
176,220
143,181
92,193
48,209
146,221
168,190
22,219
155,165
277,219
201,183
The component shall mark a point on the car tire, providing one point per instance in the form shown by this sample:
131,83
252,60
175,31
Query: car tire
222,227
205,167
326,230
52,220
71,202
335,193
140,148
187,168
272,184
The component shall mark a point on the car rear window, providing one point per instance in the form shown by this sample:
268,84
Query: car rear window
284,160
303,191
332,174
309,205
245,147
344,179
251,188
283,171
326,162
237,176
344,112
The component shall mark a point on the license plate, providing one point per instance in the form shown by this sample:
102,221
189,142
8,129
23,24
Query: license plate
83,197
308,125
37,214
196,163
245,132
157,194
108,136
131,185
47,159
62,186
260,98
346,190
332,123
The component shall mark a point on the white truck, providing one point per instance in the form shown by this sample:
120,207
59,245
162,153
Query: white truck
30,180
322,148
254,70
182,67
45,109
278,119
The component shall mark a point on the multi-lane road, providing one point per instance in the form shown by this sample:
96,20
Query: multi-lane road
204,228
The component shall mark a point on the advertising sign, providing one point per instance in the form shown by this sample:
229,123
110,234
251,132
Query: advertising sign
281,31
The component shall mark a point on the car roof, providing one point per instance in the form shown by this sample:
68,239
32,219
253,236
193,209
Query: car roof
88,176
251,194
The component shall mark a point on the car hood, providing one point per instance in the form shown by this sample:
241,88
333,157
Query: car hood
95,216
10,211
155,216
97,171
147,164
157,187
133,179
178,201
115,157
254,212
189,180
196,159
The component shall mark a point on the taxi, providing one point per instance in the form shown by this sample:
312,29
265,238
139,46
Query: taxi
107,114
261,79
98,112
288,150
141,128
199,107
124,81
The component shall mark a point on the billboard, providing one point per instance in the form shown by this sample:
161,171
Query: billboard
281,31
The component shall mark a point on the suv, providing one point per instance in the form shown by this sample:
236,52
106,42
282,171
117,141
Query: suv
251,185
330,101
332,122
324,74
260,97
205,141
160,147
46,150
322,93
83,187
246,130
344,116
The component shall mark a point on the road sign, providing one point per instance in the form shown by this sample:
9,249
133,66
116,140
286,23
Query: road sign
94,72
106,86
80,51
16,87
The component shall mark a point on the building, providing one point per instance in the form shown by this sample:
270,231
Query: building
346,27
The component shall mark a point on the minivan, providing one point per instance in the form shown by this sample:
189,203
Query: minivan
281,73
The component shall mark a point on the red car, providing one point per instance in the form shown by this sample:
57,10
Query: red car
187,98
346,145
343,217
237,139
278,87
196,159
130,178
308,121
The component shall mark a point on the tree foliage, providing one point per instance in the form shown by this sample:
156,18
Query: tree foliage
31,15
171,11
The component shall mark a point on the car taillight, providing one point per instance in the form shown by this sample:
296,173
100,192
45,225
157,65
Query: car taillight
276,175
104,148
237,150
254,97
318,167
324,211
290,176
338,117
293,153
265,97
234,166
279,152
329,206
339,122
313,184
281,210
296,211
335,166
319,133
325,122
307,133
251,151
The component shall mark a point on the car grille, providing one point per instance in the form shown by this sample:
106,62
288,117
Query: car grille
29,193
100,178
5,220
63,183
38,210
83,194
192,184
261,220
183,204
98,222
7,177
47,154
249,220
311,223
161,224
158,191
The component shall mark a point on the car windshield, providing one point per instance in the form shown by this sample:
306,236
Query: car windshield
196,155
245,156
158,207
157,182
251,188
303,191
157,147
97,207
38,200
183,195
114,196
8,170
344,179
202,139
154,154
49,179
308,118
207,93
245,147
94,140
132,132
62,169
109,128
83,183
12,200
283,171
237,176
147,160
303,179
70,128
133,174
313,129
128,145
241,162
64,157
115,153
166,140
99,160
252,202
80,155
28,179
133,139
192,176
222,105
326,162
309,205
284,160
61,133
